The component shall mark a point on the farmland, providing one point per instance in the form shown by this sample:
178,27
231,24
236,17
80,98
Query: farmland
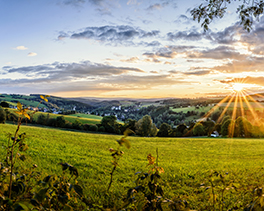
187,162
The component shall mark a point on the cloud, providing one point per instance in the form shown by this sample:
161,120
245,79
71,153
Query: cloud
84,76
219,53
199,72
228,35
21,48
248,64
111,34
186,35
72,70
155,7
32,54
247,80
102,6
169,52
131,60
183,19
161,5
73,2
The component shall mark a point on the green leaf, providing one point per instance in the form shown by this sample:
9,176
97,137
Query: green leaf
67,208
20,206
22,157
40,196
63,199
78,189
34,202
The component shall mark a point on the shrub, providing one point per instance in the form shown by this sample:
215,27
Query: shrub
164,130
101,129
86,127
60,121
93,128
2,116
77,125
198,129
51,122
41,119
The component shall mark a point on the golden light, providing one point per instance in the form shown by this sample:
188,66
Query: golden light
238,87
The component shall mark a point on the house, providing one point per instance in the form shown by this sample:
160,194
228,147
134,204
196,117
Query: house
215,134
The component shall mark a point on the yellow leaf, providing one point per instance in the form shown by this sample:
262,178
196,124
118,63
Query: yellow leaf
261,201
26,115
19,106
151,159
18,112
45,99
42,97
127,132
47,96
126,142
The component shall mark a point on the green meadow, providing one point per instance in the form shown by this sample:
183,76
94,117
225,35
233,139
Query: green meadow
188,162
83,118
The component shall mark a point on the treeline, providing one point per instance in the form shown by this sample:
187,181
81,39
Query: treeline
227,127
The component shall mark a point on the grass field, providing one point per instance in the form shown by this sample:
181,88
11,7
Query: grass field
26,102
187,162
83,118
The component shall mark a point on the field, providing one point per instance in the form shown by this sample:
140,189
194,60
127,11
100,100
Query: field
22,100
187,162
83,118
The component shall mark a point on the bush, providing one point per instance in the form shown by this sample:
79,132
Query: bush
86,127
51,122
93,128
4,104
2,116
164,130
60,121
12,117
101,129
225,128
198,129
41,119
77,125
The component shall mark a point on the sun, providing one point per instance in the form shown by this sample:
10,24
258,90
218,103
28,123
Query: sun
238,87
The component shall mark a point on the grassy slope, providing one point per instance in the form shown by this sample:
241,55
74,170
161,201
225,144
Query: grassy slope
91,119
32,103
179,157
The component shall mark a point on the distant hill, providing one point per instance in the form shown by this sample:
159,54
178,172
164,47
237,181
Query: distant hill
33,100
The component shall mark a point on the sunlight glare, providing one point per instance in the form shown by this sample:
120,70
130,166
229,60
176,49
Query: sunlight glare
238,87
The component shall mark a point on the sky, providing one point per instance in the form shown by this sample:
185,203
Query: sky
125,49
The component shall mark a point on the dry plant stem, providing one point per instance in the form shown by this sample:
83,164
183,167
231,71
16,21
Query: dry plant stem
11,158
111,180
213,194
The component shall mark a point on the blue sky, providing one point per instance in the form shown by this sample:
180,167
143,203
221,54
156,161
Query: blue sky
124,48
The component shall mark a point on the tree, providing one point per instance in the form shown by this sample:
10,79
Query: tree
180,130
4,104
130,123
2,116
243,128
164,130
145,126
41,119
225,128
60,121
198,129
109,122
249,11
